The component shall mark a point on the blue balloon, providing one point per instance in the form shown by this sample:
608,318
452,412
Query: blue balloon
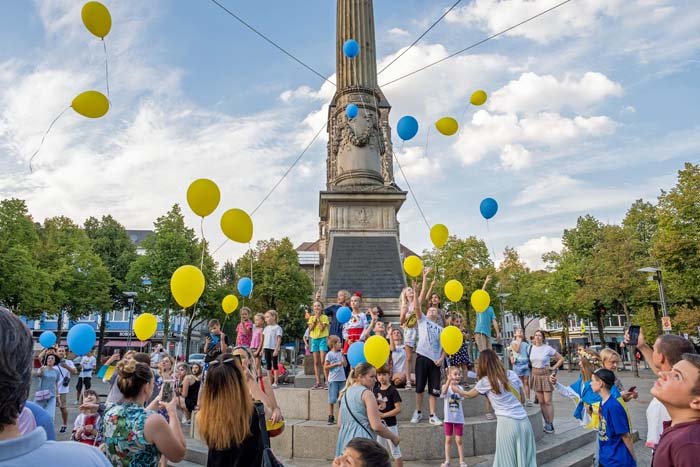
245,286
351,48
81,339
351,111
407,127
47,339
488,208
343,314
356,354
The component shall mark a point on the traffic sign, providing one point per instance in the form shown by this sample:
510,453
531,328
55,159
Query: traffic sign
666,323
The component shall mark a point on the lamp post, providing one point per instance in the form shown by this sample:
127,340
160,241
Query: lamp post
130,299
502,299
656,276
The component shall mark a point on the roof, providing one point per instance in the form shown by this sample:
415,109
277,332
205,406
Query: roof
314,246
138,236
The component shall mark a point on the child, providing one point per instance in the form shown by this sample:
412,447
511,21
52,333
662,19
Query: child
272,341
398,359
679,391
256,341
307,340
389,404
454,414
244,330
461,358
354,329
216,342
410,332
334,364
86,423
318,327
615,442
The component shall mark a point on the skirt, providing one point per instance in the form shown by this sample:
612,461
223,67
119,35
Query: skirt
515,443
539,381
461,357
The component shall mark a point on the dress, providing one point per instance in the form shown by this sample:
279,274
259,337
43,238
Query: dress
123,431
192,395
48,381
462,355
247,454
349,428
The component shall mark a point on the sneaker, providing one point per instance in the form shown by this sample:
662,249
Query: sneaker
536,401
63,429
183,420
417,417
490,416
331,420
548,428
528,403
434,420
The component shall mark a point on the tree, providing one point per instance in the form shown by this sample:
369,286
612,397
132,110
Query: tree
514,278
112,244
279,283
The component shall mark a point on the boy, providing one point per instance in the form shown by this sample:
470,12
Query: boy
615,443
679,391
272,342
216,342
87,422
389,403
334,365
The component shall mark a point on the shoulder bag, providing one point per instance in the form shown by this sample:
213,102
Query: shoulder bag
268,458
529,362
372,435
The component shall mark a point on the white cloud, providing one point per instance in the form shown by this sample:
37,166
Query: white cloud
628,110
515,157
398,33
532,250
418,166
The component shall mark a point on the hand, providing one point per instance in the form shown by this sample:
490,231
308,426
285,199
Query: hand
274,354
58,402
640,339
439,361
498,336
208,339
396,440
170,407
427,270
276,415
89,427
553,379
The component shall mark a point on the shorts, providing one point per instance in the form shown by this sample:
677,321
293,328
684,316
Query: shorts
62,398
409,337
427,372
318,344
395,450
521,369
87,382
334,388
270,361
482,341
455,429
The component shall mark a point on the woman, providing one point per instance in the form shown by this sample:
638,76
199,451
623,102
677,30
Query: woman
363,452
515,441
358,409
610,359
227,419
520,359
47,391
540,358
407,319
188,382
134,435
258,390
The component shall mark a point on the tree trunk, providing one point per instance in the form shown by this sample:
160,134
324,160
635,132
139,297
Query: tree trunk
601,327
166,329
567,344
103,326
59,327
521,317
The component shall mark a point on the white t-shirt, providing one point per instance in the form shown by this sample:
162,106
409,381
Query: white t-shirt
453,406
270,334
88,363
540,356
398,359
428,338
656,416
504,404
336,373
65,372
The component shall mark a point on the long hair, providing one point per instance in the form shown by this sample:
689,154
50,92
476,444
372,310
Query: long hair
403,300
226,407
360,370
589,361
488,365
133,376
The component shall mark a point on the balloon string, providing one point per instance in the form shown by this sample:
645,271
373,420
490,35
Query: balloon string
427,138
204,244
461,119
411,190
104,45
31,169
488,241
251,269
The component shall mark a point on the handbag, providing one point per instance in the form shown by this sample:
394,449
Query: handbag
42,395
66,379
529,362
268,457
371,434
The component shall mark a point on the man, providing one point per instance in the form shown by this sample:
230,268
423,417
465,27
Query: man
336,329
157,355
679,391
667,351
484,320
15,379
66,368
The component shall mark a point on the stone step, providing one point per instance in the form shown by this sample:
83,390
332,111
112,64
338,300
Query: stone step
580,457
306,404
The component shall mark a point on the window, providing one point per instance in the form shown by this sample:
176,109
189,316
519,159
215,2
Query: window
119,315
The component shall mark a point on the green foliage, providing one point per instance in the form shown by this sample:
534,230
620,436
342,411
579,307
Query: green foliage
514,277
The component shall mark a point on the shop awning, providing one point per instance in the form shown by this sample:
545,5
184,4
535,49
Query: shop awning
134,343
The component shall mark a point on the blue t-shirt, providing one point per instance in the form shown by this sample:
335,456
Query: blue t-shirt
483,321
42,419
337,373
612,425
34,449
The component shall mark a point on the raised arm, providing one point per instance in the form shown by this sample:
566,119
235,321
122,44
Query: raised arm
645,349
426,271
167,436
486,282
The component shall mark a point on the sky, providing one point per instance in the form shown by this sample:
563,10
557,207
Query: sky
591,107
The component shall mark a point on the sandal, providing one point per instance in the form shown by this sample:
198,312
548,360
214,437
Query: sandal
463,464
490,416
445,464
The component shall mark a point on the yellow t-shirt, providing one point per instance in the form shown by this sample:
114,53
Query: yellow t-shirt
316,332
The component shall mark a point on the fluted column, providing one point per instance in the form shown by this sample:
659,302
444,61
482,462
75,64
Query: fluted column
355,20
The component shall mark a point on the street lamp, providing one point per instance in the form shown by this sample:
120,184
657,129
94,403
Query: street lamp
502,299
658,278
130,299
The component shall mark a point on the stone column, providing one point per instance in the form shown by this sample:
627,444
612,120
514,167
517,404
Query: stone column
355,20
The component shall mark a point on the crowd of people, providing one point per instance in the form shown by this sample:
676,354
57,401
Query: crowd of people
151,397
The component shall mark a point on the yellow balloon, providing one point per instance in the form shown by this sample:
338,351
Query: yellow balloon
203,196
91,104
448,126
454,290
480,300
237,225
439,234
145,326
478,97
413,266
187,285
451,339
96,19
377,351
229,304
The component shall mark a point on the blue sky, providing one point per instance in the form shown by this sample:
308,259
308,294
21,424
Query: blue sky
591,107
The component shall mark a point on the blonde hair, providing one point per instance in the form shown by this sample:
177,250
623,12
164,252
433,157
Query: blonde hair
608,353
403,301
360,370
259,316
272,313
226,407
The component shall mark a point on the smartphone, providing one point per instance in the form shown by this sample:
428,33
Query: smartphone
554,371
632,389
167,391
634,335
